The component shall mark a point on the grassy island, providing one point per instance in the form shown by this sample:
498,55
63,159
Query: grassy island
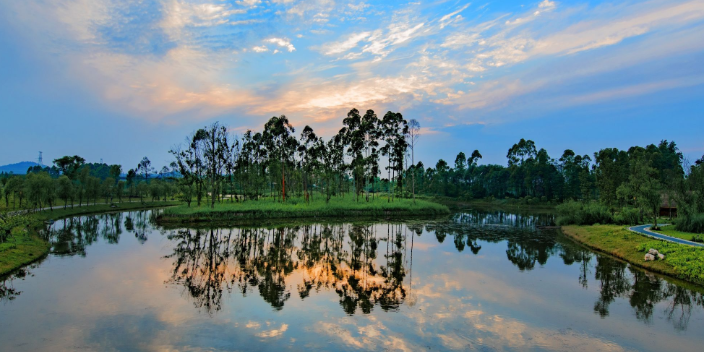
681,261
268,208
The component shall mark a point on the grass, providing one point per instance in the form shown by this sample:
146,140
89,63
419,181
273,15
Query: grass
60,203
669,230
681,261
268,208
495,203
24,245
21,249
98,208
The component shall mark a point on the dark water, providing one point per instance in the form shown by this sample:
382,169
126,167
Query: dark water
480,280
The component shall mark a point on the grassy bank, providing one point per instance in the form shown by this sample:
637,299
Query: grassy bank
296,208
98,208
681,261
21,249
512,204
25,246
669,230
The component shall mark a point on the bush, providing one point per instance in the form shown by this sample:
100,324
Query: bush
692,223
577,213
628,216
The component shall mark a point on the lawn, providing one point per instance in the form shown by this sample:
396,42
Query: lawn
670,231
21,249
99,208
268,208
681,261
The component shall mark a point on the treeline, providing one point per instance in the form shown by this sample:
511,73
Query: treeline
275,163
370,156
73,181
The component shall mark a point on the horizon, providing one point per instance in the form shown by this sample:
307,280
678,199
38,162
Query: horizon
124,81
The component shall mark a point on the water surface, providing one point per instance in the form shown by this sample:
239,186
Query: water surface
478,280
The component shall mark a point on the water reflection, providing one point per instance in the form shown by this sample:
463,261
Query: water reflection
364,267
367,265
71,236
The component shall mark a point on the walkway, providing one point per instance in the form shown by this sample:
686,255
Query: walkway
645,230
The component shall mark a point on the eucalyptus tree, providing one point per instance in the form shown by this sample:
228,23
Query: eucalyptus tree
413,135
120,189
279,140
145,168
517,155
83,177
370,128
130,181
308,153
394,129
215,149
354,138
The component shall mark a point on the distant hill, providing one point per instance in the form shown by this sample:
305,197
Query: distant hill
19,168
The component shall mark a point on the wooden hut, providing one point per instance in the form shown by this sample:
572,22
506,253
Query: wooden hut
668,206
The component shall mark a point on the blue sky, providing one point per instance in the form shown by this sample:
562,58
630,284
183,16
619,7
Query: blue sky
119,80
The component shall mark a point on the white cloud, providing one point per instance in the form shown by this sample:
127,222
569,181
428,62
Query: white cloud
340,47
282,42
445,20
260,49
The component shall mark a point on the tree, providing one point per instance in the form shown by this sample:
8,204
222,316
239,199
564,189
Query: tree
120,189
115,171
145,168
70,165
83,177
65,189
413,135
643,187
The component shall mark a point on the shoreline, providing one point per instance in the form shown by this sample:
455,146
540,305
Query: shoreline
621,243
32,248
235,213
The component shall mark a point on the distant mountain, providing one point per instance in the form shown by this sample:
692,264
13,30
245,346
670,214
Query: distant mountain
19,168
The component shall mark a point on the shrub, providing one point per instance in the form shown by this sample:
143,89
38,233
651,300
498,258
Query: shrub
628,216
691,223
577,213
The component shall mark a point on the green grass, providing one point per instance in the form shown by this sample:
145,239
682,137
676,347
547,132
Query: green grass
268,208
494,203
669,230
24,245
98,208
21,249
681,261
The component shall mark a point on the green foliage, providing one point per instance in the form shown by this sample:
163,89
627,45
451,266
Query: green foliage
580,213
297,207
688,261
692,223
628,216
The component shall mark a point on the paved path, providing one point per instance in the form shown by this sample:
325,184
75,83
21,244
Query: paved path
645,230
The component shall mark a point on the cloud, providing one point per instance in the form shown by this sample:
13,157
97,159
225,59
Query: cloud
203,65
260,49
282,42
349,43
273,332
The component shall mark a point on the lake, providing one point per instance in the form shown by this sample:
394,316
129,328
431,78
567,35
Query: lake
478,280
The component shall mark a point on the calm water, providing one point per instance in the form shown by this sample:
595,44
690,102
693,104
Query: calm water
480,280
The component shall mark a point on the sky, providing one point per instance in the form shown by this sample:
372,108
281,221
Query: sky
122,79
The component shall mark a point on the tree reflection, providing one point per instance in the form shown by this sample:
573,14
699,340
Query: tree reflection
528,246
347,259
